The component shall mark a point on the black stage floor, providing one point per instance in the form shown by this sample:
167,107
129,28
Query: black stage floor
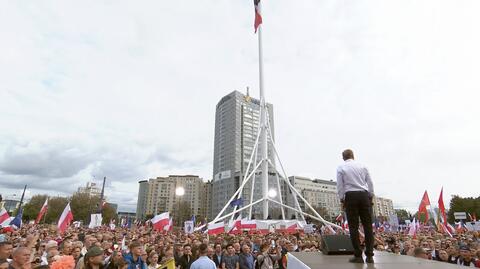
383,260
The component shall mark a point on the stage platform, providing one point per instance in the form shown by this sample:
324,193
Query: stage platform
383,260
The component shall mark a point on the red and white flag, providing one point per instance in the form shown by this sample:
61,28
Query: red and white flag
258,16
160,221
65,219
236,226
169,226
42,212
248,224
4,217
216,228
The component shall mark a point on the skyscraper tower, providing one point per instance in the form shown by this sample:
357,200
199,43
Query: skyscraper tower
236,125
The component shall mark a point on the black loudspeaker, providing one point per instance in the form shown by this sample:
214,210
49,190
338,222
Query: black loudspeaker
337,245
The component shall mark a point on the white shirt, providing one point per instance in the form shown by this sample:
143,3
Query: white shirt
353,176
203,263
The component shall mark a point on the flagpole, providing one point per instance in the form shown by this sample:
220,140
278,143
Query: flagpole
23,195
263,122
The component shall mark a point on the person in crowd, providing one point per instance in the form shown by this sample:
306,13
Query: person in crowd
246,259
4,264
355,190
76,253
168,254
203,262
230,259
465,258
133,258
442,256
94,258
420,252
21,258
218,255
187,259
152,260
6,249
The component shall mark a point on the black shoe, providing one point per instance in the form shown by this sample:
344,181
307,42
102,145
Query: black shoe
356,260
369,259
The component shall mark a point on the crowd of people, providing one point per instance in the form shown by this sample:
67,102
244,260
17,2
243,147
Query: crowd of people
41,247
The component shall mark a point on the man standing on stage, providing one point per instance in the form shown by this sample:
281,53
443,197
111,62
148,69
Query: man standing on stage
355,190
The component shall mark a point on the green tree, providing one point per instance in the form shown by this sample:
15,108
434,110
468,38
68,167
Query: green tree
108,213
182,212
402,215
469,205
83,205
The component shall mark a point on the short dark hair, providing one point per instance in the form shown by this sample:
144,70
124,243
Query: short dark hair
134,244
229,245
347,154
203,249
4,243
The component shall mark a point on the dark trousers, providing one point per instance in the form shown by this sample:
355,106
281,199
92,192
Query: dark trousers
358,204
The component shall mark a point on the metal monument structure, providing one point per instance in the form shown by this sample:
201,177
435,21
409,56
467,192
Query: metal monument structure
261,167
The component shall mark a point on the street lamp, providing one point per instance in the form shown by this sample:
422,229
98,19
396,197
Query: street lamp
272,193
180,191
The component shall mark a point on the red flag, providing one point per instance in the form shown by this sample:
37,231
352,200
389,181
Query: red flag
441,207
423,205
258,16
65,219
159,222
216,228
42,212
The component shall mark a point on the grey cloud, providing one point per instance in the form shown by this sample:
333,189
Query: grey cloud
43,160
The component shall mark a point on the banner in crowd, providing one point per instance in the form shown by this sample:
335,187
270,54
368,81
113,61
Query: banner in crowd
95,221
188,227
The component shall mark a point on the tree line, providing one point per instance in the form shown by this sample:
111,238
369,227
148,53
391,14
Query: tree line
82,204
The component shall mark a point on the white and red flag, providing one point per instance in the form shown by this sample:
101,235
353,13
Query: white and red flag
248,224
65,219
42,212
169,226
216,228
4,217
159,222
258,15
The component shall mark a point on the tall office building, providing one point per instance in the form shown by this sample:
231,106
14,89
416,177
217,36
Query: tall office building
237,119
142,199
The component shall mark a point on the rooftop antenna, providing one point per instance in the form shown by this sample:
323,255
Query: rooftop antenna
248,91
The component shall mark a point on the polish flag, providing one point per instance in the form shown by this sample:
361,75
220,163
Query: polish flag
42,212
159,222
248,224
292,228
216,228
169,226
236,226
65,219
4,217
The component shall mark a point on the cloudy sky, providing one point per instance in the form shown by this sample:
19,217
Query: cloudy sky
127,90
